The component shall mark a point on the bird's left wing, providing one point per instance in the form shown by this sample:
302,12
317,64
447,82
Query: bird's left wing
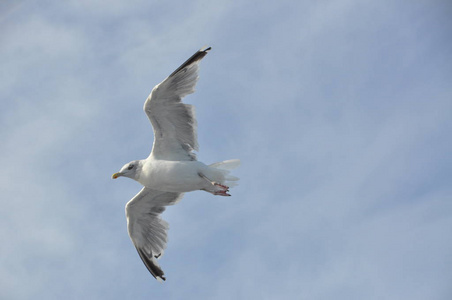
174,122
146,228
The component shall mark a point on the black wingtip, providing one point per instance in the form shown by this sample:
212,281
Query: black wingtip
206,49
152,267
195,57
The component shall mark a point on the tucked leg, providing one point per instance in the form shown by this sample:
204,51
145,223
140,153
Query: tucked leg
219,189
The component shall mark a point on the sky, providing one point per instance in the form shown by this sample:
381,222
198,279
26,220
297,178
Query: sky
340,111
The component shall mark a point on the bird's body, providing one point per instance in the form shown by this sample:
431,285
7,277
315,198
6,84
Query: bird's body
171,169
173,176
179,176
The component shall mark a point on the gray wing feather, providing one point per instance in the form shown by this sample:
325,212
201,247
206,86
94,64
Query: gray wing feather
147,230
174,123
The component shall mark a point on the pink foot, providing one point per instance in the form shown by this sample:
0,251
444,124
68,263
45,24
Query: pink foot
224,187
221,193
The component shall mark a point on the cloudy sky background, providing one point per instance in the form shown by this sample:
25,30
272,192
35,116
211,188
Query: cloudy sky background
341,112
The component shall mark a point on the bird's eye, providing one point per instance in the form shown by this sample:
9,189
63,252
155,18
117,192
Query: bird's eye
130,167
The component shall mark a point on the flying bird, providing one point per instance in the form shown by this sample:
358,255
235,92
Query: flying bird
171,169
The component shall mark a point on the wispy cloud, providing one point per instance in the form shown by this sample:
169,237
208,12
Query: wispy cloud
339,111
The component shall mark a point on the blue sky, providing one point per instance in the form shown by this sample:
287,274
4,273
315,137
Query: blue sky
341,112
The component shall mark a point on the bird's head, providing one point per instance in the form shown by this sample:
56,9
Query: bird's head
128,170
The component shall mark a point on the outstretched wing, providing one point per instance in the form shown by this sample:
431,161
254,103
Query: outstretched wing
147,230
174,122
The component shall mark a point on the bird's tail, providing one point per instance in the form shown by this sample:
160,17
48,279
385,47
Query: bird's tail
225,168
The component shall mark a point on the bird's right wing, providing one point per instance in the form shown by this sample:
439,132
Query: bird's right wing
147,230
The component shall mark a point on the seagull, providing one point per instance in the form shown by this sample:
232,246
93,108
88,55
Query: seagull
171,169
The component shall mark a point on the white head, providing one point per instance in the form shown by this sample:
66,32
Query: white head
130,170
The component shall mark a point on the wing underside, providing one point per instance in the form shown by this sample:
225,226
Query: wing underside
147,230
174,122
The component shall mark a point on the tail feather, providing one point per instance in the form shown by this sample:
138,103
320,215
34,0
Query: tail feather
225,167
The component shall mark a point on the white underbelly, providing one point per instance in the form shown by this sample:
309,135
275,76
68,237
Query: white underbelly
173,176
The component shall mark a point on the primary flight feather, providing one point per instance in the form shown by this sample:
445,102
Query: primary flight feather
171,169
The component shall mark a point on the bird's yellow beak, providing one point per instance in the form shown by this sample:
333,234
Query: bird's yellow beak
116,175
